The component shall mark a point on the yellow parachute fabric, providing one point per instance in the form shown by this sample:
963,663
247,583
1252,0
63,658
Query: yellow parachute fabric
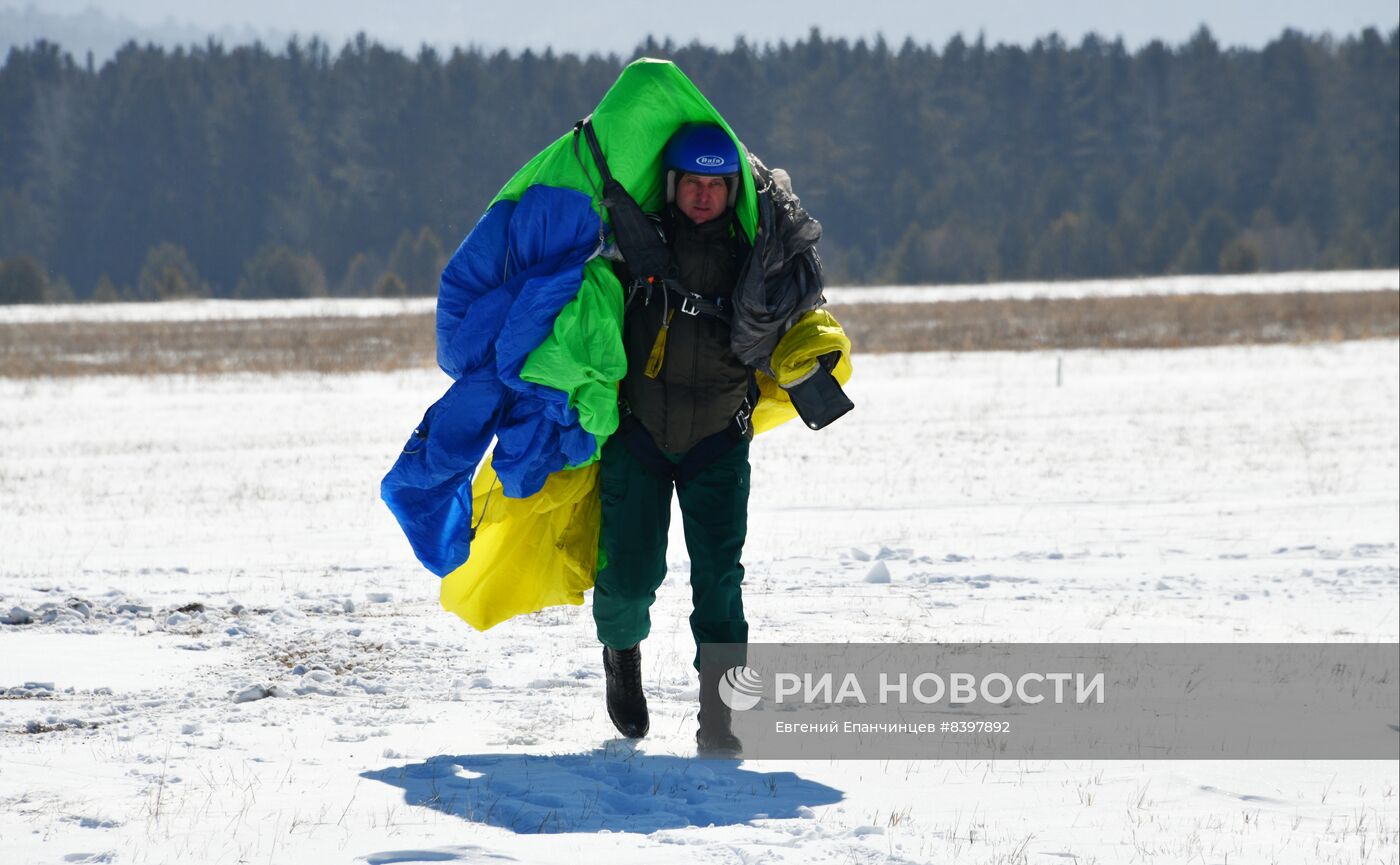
816,334
528,553
542,551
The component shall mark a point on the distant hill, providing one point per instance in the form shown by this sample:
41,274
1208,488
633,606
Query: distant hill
97,32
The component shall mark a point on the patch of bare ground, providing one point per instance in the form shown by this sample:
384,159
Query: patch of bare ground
325,345
1177,321
336,344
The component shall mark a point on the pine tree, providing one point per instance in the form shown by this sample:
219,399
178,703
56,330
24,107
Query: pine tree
276,271
22,280
168,274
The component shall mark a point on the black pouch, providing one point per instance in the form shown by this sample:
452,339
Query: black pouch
819,399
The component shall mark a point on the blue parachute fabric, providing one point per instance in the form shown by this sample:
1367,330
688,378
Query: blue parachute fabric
476,268
429,487
499,296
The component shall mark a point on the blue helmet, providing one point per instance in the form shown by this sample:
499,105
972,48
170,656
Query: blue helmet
701,148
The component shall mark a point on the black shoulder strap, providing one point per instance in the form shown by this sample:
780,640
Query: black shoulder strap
586,126
646,252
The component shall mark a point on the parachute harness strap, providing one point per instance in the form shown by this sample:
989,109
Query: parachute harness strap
636,237
586,125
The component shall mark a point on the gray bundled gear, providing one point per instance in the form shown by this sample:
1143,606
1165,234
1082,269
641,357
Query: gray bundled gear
783,277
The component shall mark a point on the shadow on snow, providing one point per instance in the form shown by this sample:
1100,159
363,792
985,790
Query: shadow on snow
614,788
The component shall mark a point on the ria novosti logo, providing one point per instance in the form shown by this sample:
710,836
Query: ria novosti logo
741,688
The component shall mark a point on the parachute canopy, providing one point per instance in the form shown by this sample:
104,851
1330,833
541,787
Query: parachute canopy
529,327
529,318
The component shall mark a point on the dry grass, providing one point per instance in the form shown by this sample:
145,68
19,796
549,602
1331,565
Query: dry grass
349,344
326,345
1122,322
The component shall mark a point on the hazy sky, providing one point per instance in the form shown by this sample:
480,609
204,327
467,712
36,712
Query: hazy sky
582,26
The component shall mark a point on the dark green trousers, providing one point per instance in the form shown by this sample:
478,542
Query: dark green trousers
636,518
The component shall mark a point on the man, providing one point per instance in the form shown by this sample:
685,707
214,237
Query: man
718,339
685,403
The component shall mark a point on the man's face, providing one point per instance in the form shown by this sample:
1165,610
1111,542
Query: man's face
701,197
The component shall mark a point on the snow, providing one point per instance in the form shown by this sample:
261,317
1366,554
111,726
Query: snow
180,543
210,310
119,661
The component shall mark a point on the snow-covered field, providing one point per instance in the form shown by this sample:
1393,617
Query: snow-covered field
186,545
1255,283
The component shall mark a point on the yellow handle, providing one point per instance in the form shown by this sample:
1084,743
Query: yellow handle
658,350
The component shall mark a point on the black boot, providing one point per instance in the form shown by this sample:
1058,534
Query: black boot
627,705
714,738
